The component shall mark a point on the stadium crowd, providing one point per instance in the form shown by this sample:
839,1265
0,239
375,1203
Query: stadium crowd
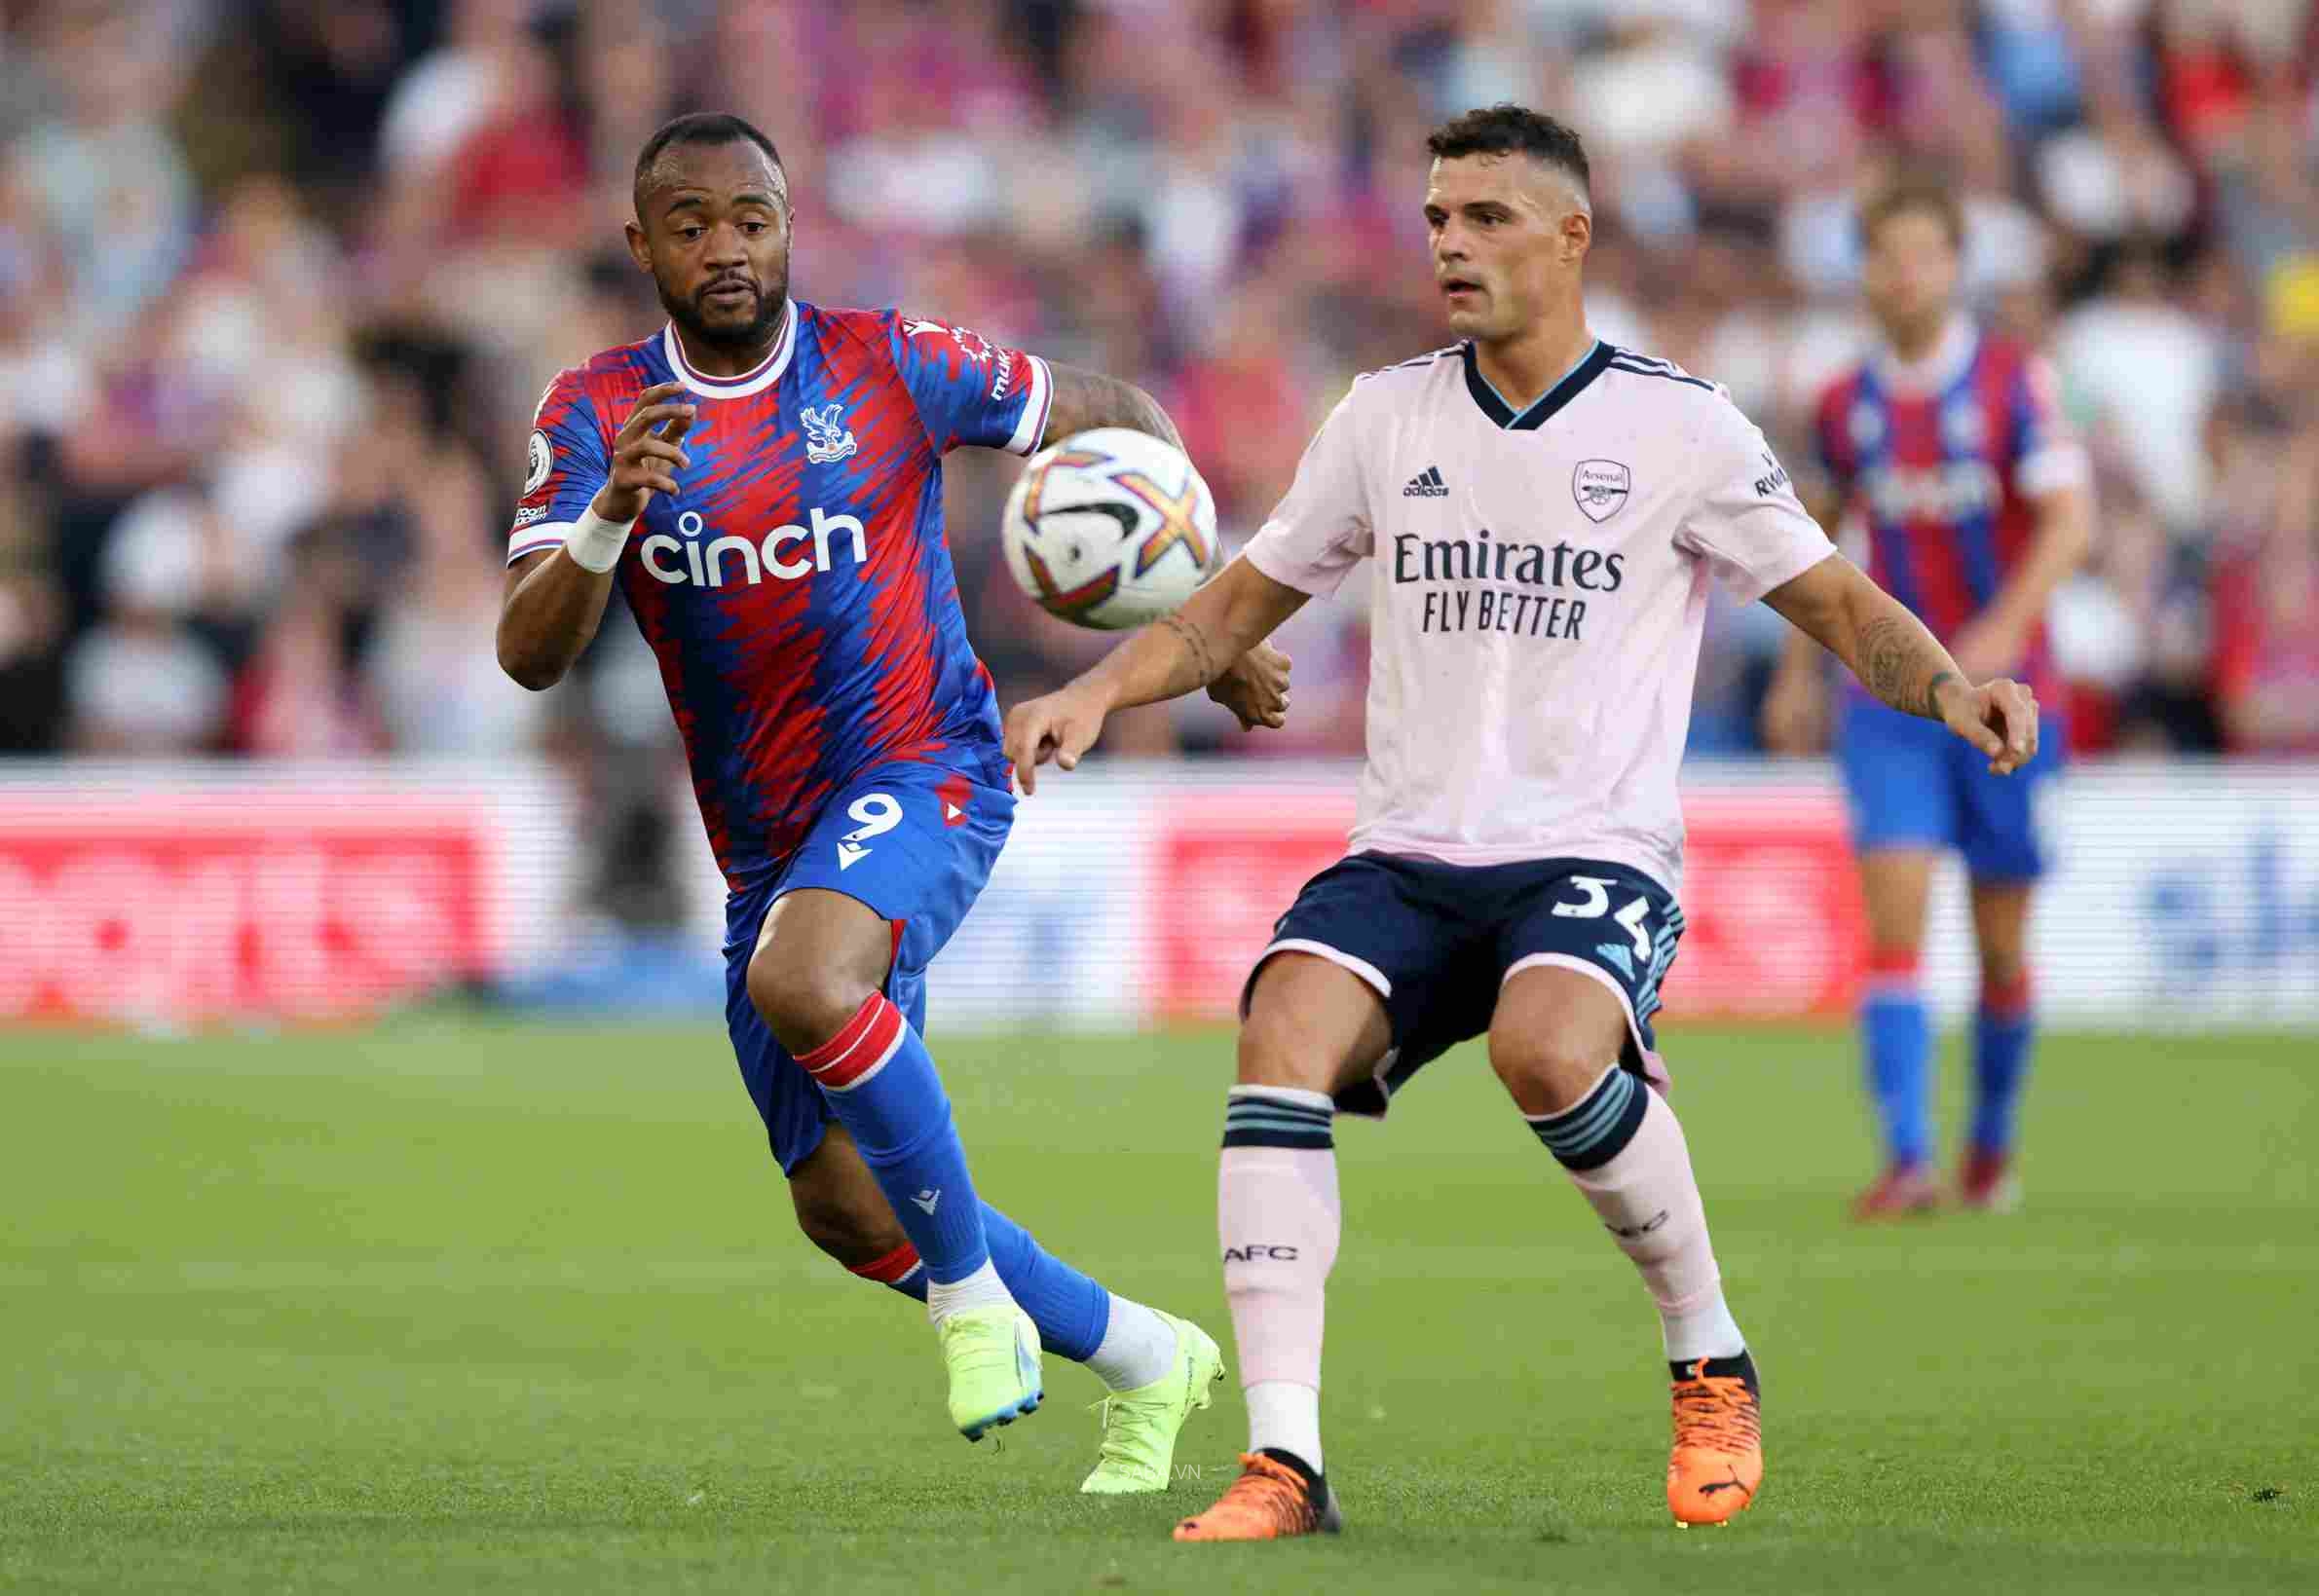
282,280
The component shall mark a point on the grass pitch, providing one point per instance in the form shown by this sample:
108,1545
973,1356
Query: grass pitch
475,1307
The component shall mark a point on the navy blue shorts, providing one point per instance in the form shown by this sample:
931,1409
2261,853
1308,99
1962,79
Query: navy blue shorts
914,843
1436,942
1913,783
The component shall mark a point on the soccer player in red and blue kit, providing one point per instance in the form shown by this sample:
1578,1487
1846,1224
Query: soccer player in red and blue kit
763,480
1948,445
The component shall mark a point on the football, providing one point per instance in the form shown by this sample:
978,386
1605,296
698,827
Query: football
1111,528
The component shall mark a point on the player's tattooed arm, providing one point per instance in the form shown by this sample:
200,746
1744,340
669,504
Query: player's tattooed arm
1196,654
1889,650
1894,662
1254,687
1903,664
1086,398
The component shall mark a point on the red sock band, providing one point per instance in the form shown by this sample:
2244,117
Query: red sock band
2006,999
848,1034
897,1265
1892,972
861,1047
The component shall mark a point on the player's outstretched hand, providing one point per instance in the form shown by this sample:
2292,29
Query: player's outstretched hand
644,455
1255,688
1060,727
1999,719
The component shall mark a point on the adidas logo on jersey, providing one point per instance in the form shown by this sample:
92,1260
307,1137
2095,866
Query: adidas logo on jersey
784,554
1427,484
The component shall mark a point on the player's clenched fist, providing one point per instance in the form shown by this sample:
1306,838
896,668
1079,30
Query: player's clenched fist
1060,726
1998,717
1256,689
645,454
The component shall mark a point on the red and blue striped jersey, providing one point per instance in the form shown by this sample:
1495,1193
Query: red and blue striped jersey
797,590
1942,462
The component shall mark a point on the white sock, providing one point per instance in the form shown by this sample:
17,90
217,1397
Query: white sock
1285,1414
1138,1347
1706,1332
1649,1202
981,1289
1279,1218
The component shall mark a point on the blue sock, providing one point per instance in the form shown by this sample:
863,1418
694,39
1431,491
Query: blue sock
1899,1039
1071,1310
879,1082
2001,1038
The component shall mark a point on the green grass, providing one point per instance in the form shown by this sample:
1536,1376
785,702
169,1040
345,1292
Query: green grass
467,1308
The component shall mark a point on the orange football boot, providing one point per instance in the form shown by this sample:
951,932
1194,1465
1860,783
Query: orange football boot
1274,1498
1717,1464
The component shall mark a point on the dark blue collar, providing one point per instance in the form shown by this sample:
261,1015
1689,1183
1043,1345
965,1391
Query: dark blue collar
1573,382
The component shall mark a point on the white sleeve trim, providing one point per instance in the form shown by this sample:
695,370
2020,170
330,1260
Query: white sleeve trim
1035,405
2052,468
537,540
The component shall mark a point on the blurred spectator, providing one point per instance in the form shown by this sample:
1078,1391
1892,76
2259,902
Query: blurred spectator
301,695
139,681
2266,605
2143,372
109,185
440,689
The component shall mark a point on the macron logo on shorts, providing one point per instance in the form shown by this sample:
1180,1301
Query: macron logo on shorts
1427,484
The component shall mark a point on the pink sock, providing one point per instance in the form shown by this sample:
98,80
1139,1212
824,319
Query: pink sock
1649,1202
1278,1217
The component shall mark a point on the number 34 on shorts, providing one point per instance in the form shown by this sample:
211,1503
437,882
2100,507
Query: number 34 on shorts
1641,924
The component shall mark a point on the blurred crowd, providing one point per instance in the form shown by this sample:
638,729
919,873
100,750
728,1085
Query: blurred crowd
282,280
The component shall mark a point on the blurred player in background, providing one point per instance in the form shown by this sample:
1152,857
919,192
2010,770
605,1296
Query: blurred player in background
1947,444
762,479
1542,512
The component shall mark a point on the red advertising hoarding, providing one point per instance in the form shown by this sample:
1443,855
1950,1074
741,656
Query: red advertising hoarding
185,907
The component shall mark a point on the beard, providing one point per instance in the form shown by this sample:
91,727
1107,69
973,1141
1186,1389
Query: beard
693,317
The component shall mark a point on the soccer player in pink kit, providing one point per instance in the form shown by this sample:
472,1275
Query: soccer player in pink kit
763,478
1950,443
1541,513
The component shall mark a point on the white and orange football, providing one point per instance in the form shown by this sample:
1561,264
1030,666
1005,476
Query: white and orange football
1111,528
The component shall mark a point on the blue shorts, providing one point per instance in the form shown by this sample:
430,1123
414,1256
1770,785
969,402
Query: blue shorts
914,843
1435,942
1913,783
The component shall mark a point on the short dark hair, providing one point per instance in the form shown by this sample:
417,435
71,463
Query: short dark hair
703,128
1914,192
1506,129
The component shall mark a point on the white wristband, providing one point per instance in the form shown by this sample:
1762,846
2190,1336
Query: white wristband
595,544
